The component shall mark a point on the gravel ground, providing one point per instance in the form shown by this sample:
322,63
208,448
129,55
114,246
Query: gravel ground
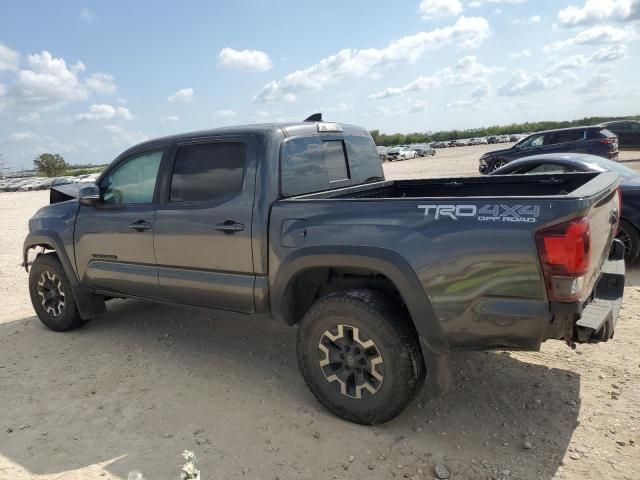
136,387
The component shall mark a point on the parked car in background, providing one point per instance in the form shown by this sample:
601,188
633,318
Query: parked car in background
453,143
400,153
492,139
503,138
423,150
440,145
555,163
627,131
515,137
383,153
594,140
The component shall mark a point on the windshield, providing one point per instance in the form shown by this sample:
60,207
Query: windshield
314,164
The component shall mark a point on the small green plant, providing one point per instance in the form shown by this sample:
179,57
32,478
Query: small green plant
188,471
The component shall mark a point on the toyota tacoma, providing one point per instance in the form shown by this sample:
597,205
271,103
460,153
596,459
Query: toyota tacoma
383,278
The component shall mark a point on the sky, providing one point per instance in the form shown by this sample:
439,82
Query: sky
89,79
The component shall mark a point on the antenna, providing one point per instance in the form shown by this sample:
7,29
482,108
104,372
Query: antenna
316,117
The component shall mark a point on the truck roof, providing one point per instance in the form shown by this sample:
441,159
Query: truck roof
288,129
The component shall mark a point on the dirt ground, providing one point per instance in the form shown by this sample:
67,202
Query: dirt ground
133,389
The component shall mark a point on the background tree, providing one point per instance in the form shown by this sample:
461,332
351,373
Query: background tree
50,164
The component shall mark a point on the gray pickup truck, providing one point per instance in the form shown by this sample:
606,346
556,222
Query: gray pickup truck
296,220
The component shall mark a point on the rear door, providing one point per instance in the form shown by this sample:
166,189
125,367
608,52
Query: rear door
114,239
202,234
564,141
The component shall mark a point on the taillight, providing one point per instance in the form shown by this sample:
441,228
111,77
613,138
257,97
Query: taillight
607,141
565,254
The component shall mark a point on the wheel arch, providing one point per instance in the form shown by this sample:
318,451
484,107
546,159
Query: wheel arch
89,304
295,286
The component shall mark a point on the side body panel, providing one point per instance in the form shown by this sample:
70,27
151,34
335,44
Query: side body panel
199,264
478,276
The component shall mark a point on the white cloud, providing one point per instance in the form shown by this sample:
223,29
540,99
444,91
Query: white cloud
602,55
87,15
418,106
21,137
29,118
481,91
461,104
527,21
466,71
170,119
404,107
480,3
523,83
521,54
125,138
609,54
439,8
48,83
244,60
466,32
601,34
8,58
102,84
104,112
225,114
598,11
595,84
184,95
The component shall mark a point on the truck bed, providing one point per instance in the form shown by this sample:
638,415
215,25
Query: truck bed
463,187
470,241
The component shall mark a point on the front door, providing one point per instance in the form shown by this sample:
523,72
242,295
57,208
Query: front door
202,230
114,239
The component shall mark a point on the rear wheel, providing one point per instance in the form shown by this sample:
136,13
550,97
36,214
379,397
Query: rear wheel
360,356
629,236
51,294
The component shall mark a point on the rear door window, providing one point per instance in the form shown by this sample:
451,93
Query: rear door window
570,136
207,171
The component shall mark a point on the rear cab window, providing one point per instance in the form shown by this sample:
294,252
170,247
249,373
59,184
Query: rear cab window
317,163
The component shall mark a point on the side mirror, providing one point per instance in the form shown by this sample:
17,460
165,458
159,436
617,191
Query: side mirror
89,195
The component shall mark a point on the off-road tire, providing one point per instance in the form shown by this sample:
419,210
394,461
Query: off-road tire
60,317
630,237
377,318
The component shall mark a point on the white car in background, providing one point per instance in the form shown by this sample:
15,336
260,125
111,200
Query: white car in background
400,153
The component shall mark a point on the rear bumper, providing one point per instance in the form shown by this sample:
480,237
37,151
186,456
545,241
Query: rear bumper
598,320
595,320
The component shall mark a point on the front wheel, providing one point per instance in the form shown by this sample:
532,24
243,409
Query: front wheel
630,237
498,164
51,294
360,356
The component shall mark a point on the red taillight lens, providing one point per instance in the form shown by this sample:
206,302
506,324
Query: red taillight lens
565,254
607,141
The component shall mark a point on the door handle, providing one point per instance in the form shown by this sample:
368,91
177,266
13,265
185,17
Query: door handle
229,226
140,225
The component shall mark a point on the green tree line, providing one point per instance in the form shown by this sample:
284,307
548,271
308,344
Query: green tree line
388,139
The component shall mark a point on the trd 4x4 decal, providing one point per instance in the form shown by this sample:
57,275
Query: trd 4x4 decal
484,213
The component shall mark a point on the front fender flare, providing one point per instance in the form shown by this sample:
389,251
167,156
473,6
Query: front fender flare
89,305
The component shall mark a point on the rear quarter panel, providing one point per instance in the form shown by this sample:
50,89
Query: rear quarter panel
479,271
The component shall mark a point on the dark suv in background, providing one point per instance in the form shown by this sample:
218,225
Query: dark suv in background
595,140
627,131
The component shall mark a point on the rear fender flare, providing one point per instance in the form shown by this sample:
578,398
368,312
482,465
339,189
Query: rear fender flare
380,260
